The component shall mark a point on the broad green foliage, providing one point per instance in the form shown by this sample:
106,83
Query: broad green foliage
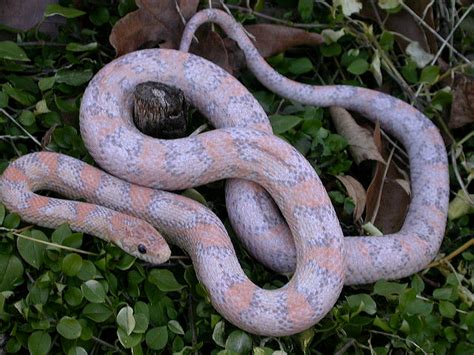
65,292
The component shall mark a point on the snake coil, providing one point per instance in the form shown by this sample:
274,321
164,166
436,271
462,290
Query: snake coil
127,205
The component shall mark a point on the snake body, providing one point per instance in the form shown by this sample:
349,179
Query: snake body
123,210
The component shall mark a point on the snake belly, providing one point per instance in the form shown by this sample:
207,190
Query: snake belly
118,147
256,218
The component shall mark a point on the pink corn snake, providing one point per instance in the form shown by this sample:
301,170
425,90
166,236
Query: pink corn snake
248,152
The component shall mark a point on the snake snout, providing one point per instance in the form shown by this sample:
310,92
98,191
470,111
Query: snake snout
148,244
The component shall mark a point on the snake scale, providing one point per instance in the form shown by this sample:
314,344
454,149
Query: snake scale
275,200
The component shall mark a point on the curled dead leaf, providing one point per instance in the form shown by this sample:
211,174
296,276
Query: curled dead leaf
356,192
361,143
387,195
212,47
462,108
155,21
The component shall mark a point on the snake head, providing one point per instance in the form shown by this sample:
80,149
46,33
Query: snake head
142,240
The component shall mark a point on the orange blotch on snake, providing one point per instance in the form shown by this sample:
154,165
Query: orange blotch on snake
83,211
36,203
299,310
328,258
90,177
239,296
14,175
139,198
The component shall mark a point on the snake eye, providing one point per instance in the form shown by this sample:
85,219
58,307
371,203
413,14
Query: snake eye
141,249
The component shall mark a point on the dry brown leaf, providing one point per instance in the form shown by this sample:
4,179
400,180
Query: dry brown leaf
274,39
404,23
462,108
48,136
155,21
211,46
387,197
357,192
361,143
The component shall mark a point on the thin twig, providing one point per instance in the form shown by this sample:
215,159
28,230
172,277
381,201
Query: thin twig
14,137
452,255
41,44
108,345
274,19
428,27
457,174
20,126
346,346
15,232
400,338
445,42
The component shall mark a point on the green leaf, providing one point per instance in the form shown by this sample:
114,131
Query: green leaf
11,270
26,118
305,8
429,75
67,12
97,312
447,309
2,213
141,323
77,350
19,95
3,100
39,343
46,83
305,338
331,50
126,320
32,252
11,51
175,327
69,328
88,270
72,264
73,296
73,77
358,66
195,195
362,303
99,16
218,333
11,221
300,66
93,291
164,280
239,341
157,338
386,288
389,4
409,72
418,306
78,47
386,40
417,284
283,123
128,340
